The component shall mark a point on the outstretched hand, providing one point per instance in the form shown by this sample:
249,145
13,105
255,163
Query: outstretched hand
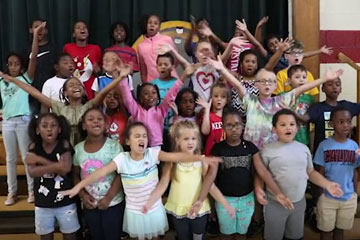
241,25
263,21
206,31
326,50
332,75
6,77
39,28
217,64
334,189
286,44
239,41
164,48
71,192
205,104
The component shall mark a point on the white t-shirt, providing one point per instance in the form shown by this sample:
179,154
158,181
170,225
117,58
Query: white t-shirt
52,87
203,79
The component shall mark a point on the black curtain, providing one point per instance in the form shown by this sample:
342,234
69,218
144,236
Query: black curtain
17,15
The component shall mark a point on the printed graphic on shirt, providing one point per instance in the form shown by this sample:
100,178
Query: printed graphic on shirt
99,188
84,68
346,157
329,130
205,80
236,161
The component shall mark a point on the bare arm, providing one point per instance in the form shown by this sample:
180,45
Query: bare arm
187,44
236,41
185,157
275,58
260,28
332,187
205,125
34,51
112,192
324,49
168,48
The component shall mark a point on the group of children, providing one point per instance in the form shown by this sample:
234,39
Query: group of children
99,138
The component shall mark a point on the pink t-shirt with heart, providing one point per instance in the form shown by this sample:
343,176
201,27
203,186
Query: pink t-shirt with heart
202,80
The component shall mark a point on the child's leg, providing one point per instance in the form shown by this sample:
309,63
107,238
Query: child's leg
112,222
274,230
198,227
345,217
326,235
68,221
182,228
70,236
338,234
294,228
49,236
93,222
44,223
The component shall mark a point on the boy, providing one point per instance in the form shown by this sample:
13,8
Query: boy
339,161
295,56
297,76
291,165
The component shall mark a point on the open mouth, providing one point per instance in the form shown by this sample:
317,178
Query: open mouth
288,133
142,146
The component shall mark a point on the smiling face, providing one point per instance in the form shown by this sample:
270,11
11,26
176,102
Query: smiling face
94,123
219,98
332,89
286,128
110,61
66,67
48,129
249,65
81,32
265,81
203,51
298,78
148,96
119,34
152,26
233,127
138,139
273,44
73,89
187,104
164,67
14,66
188,140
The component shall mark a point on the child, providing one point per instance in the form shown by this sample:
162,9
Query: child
212,120
116,116
139,175
103,200
50,162
260,109
291,165
148,109
339,161
64,68
74,99
235,177
87,57
185,105
319,113
147,50
16,117
297,75
119,33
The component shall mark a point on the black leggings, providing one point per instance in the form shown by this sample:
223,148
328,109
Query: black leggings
187,229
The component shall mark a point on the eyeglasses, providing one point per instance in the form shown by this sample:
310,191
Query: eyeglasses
266,81
295,53
235,126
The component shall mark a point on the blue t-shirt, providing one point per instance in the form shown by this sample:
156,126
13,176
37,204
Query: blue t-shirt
339,160
164,86
282,63
103,81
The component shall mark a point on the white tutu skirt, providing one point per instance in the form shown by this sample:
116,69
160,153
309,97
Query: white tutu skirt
143,226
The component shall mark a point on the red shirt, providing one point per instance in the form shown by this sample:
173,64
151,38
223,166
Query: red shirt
127,55
216,134
116,126
85,58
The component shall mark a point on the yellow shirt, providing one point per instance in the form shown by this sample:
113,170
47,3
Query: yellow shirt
185,190
284,86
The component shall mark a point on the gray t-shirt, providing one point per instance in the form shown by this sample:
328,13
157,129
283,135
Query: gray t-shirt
288,163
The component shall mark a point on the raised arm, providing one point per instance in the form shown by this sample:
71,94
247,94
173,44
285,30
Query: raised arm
165,48
188,41
260,28
275,58
205,125
34,51
330,75
236,41
206,30
142,67
28,88
324,49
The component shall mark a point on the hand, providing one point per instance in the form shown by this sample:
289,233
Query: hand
286,202
217,64
261,196
262,21
189,69
88,201
231,210
164,48
334,189
326,50
205,104
6,77
104,203
241,25
96,67
73,192
211,160
145,209
286,44
206,31
238,41
123,70
39,28
195,208
174,107
331,75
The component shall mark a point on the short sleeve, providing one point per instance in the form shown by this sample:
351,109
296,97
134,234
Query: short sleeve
319,158
130,81
95,85
76,157
287,100
46,90
253,149
246,99
265,156
309,162
354,108
56,106
118,160
154,155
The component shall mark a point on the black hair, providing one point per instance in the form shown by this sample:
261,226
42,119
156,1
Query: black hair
23,63
267,39
140,88
181,93
132,125
166,55
234,112
295,68
201,19
80,21
62,91
36,120
243,54
144,20
120,24
82,131
61,55
281,112
336,110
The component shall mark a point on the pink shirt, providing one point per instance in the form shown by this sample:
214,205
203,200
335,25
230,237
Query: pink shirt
147,52
154,117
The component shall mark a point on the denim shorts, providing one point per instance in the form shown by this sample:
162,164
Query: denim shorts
66,217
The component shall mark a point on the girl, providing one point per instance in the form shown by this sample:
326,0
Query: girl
139,175
119,33
147,50
103,199
16,116
185,104
116,116
147,109
212,118
75,99
248,66
87,57
50,162
189,211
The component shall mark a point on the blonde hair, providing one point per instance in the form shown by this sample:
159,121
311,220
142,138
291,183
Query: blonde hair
262,71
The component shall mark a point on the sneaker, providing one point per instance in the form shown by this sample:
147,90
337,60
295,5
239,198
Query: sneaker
10,200
31,197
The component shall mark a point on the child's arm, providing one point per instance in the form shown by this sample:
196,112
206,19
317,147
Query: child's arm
28,88
88,201
324,49
93,177
242,26
219,197
123,72
330,75
160,188
165,48
206,30
34,51
115,188
186,157
205,125
236,41
218,65
332,187
268,179
187,45
283,46
128,99
259,28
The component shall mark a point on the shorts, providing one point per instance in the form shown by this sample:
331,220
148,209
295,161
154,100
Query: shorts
244,207
333,213
66,217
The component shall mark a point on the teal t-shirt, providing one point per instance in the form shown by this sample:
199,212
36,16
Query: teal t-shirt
90,162
15,100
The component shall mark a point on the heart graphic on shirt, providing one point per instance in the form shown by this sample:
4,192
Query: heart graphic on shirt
205,80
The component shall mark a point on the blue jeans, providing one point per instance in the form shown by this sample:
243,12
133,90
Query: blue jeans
15,134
